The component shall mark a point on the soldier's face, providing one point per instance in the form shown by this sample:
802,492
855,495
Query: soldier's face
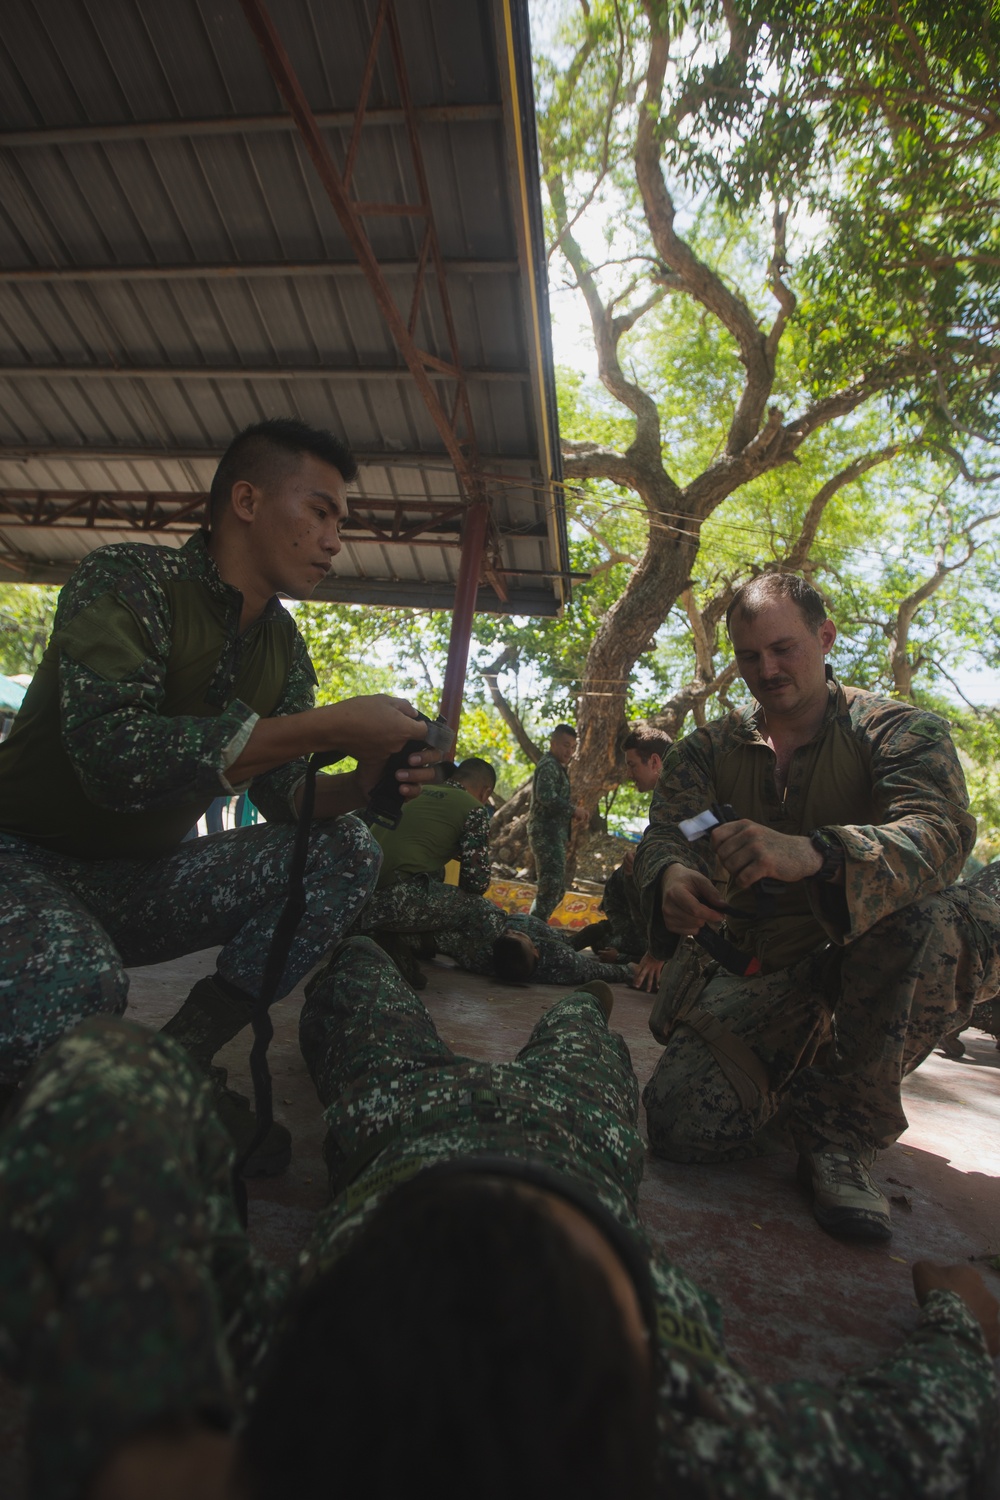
563,747
781,660
296,527
645,773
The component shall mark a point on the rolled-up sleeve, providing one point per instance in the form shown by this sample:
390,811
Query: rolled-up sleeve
924,832
273,793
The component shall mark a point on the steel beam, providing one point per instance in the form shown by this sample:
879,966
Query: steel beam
162,130
288,85
392,521
439,462
255,372
477,522
233,270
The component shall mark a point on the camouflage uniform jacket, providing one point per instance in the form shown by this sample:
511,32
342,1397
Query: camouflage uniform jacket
881,778
912,1428
551,806
114,1326
135,709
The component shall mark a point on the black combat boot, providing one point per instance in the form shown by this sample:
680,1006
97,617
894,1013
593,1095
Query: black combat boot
213,1013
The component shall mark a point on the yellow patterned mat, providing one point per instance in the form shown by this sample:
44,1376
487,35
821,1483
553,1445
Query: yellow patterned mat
575,910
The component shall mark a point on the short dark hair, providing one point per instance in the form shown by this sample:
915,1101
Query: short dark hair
512,961
768,587
474,768
264,452
460,1346
646,741
563,729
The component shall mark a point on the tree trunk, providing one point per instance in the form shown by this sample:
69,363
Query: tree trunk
509,829
625,633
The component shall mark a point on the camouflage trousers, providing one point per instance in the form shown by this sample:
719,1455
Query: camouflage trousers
548,847
622,927
419,903
816,1052
471,946
393,1090
69,928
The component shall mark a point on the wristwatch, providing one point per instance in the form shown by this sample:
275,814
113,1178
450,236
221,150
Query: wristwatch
833,856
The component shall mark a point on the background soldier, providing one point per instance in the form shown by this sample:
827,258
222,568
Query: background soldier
550,816
411,896
173,674
621,936
857,805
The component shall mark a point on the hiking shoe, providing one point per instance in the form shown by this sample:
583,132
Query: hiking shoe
274,1153
846,1201
952,1046
602,992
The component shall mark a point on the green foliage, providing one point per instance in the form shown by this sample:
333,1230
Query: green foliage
879,132
26,615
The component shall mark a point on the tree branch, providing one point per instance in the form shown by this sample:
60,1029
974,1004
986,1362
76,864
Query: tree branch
799,552
589,461
507,658
698,279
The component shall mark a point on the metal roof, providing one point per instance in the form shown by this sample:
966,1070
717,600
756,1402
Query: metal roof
172,268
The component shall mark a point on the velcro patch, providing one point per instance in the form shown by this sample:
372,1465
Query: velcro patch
107,638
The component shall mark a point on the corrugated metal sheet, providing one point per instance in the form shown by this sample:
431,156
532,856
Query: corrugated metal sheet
159,215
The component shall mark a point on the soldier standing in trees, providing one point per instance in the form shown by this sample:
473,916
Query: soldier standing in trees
550,817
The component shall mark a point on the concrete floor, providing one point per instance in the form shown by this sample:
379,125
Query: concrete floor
797,1304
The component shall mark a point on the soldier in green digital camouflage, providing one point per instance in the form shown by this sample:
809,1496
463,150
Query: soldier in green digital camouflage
447,822
550,816
173,675
866,956
518,948
479,1310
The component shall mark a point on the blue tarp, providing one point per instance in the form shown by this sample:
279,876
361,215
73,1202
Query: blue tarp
11,693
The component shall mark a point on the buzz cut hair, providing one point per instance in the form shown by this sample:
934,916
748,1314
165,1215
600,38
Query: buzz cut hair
647,741
474,768
564,729
265,452
768,588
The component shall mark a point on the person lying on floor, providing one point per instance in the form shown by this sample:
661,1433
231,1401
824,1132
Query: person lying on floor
516,947
467,929
479,1310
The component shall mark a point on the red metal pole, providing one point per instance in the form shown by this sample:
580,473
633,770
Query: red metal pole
287,82
473,549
